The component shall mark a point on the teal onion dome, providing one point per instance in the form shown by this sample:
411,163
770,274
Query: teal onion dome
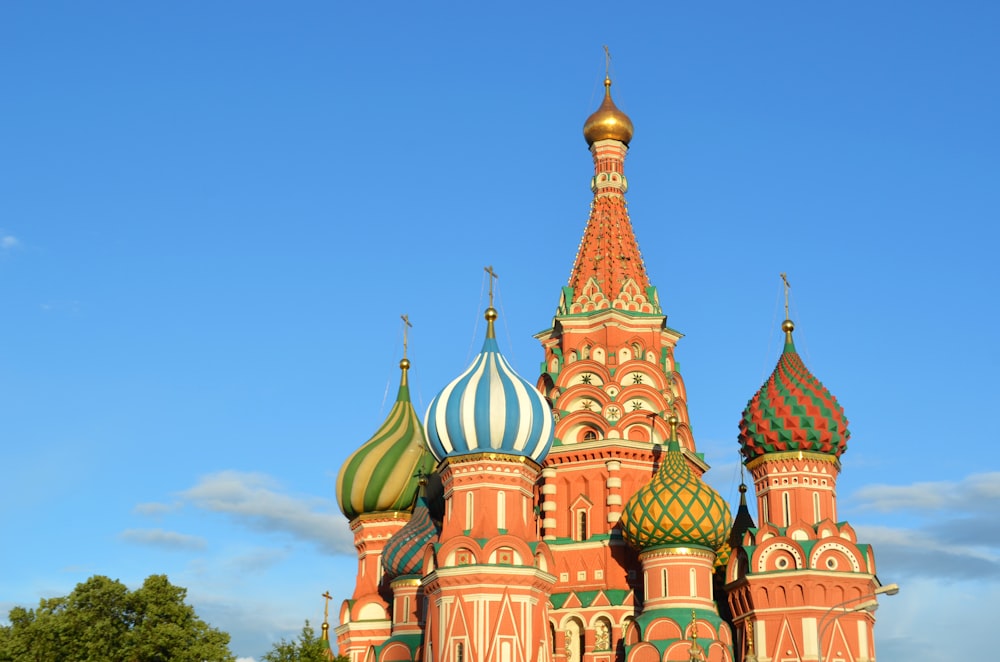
675,508
490,408
792,411
403,553
382,475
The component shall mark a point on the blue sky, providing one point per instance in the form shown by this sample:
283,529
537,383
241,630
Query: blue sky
213,214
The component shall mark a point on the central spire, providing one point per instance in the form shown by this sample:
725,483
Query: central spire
609,272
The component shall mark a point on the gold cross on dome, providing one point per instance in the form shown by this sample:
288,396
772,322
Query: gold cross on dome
326,605
784,279
493,277
406,325
607,62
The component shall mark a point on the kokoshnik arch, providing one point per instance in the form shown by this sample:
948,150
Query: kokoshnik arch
567,520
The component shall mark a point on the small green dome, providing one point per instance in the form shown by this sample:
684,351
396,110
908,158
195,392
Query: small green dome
383,475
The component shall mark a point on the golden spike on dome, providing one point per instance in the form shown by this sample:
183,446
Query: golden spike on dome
787,326
491,317
674,422
491,313
326,614
404,363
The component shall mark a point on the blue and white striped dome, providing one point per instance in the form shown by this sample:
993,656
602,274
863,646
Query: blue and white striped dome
489,408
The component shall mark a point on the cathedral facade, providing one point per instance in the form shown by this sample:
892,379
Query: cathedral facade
565,519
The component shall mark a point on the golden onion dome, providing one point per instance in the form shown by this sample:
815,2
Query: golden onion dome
608,123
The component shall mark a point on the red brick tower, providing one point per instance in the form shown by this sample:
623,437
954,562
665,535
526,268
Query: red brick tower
800,585
610,375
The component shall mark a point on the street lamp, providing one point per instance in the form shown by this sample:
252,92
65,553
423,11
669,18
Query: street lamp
838,610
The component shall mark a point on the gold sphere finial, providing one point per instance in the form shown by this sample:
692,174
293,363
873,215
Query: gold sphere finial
743,488
491,314
673,421
787,326
404,364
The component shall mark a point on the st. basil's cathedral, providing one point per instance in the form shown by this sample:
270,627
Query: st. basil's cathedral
566,520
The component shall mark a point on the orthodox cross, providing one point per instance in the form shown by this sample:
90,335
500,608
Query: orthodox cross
607,62
784,279
326,605
406,325
493,277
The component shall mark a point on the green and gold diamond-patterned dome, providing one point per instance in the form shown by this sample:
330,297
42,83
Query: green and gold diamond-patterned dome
676,507
383,475
792,411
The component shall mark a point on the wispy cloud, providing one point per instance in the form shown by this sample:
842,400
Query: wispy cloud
154,509
951,530
9,241
976,492
255,500
163,539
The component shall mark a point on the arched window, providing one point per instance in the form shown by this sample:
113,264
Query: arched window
581,525
589,435
816,513
786,507
459,652
470,508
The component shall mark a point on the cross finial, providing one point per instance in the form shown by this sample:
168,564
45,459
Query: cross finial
326,605
406,325
493,277
784,279
607,62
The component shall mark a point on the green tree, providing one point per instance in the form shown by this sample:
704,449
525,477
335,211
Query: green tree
307,648
102,621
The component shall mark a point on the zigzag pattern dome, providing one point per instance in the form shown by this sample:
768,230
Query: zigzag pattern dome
793,411
489,408
403,553
675,508
382,475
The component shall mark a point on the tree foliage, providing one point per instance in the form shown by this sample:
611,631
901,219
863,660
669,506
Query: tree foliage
102,621
306,648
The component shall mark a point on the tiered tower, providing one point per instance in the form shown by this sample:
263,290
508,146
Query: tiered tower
487,582
610,375
376,489
799,581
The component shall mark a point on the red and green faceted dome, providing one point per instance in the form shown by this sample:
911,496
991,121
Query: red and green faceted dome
793,411
675,508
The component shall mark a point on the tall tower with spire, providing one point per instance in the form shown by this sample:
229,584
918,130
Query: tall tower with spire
610,375
798,582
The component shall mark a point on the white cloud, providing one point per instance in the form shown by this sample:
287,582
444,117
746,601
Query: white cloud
255,500
161,538
156,509
976,492
8,242
945,529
